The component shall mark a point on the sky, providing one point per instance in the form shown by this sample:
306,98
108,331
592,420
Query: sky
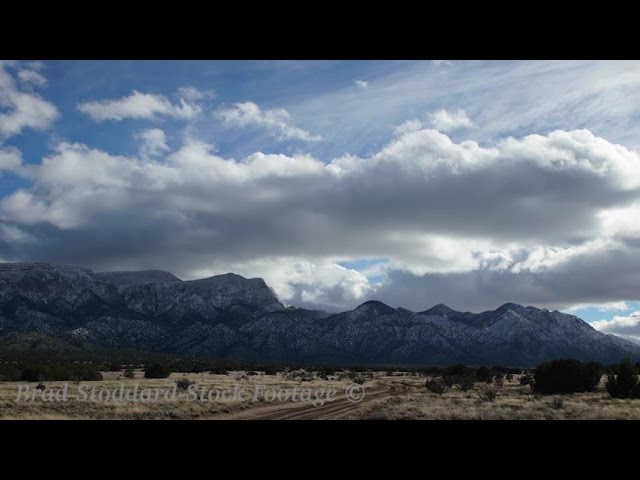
469,183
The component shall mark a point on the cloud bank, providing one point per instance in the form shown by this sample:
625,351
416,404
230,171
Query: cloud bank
527,220
627,327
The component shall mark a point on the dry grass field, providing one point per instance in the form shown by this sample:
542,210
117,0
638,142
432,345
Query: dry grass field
513,402
387,397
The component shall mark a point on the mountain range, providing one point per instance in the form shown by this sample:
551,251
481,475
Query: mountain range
58,308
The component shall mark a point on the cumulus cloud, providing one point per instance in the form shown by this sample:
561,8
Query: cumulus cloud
10,159
363,84
32,78
408,127
153,142
527,220
446,121
302,282
22,109
277,121
148,106
626,327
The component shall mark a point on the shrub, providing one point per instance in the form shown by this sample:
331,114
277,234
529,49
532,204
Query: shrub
9,373
484,374
557,403
157,371
498,380
458,370
450,380
430,371
329,370
184,383
436,385
58,373
508,377
359,380
526,379
114,367
219,371
466,383
488,393
129,373
270,370
567,376
87,374
35,373
624,383
41,386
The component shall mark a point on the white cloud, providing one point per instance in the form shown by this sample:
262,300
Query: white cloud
153,142
277,122
363,84
626,327
300,281
408,127
442,63
144,106
446,121
194,94
614,306
32,78
21,109
12,234
602,307
10,159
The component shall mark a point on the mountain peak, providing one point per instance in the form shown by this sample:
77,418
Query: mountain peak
510,306
375,305
439,310
228,275
226,278
232,291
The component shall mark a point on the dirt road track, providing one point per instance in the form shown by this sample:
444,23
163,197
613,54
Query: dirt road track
333,410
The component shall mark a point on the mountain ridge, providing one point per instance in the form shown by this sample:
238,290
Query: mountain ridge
231,317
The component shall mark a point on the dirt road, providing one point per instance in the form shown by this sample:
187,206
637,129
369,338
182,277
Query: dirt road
332,410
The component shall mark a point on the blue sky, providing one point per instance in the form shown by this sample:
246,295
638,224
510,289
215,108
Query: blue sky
469,183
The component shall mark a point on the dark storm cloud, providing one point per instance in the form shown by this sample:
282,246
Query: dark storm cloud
599,277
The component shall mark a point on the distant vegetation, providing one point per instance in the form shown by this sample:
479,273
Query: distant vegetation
622,381
556,377
157,371
184,383
567,376
41,372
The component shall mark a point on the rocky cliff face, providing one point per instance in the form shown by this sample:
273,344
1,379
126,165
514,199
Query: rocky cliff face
52,307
